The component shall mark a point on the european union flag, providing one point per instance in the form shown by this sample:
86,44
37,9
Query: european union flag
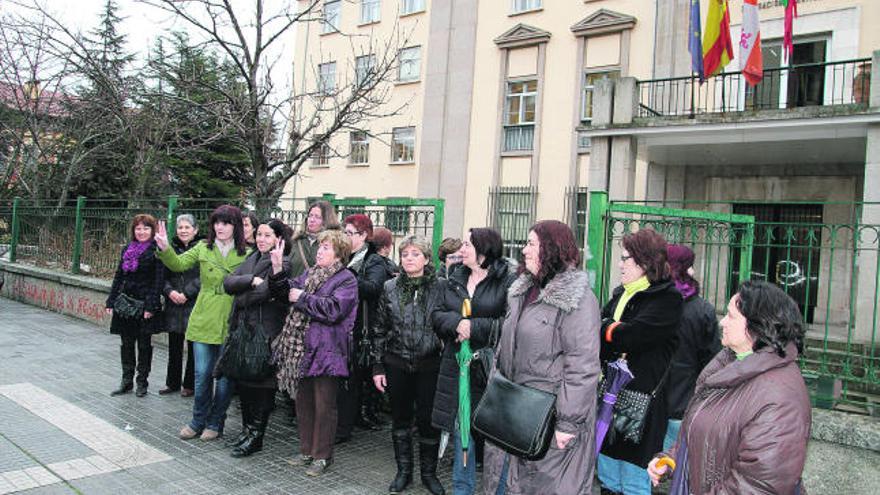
695,42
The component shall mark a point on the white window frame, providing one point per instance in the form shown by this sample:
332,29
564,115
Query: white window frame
363,68
371,11
321,156
509,96
406,142
520,6
359,153
411,6
409,67
332,15
589,88
327,77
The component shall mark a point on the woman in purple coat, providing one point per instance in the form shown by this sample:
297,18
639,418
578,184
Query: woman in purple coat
312,350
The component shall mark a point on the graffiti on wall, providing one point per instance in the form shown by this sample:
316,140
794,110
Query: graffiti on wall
69,301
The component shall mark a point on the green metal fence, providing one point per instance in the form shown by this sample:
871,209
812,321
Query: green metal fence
823,254
86,236
512,211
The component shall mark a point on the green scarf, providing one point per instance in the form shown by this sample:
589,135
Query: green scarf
410,288
629,290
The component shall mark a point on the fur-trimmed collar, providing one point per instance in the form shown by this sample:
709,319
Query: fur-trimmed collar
564,291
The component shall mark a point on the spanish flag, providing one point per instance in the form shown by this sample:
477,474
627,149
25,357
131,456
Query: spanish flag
717,45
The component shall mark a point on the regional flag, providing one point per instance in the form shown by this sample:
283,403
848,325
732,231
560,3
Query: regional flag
788,36
751,64
695,42
717,45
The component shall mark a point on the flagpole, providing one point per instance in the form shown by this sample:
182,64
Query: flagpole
693,95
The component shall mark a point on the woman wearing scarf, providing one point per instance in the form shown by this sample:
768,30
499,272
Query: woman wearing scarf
698,338
640,322
312,350
406,354
320,216
137,284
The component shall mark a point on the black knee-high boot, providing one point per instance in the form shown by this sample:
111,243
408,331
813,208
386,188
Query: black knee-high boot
244,396
403,454
262,403
428,466
144,364
127,357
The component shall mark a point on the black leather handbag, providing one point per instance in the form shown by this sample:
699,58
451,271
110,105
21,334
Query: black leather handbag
631,411
128,307
517,418
246,354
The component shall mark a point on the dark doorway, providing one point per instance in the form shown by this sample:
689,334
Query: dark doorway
806,85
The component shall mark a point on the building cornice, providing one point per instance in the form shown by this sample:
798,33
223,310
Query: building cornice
522,35
603,21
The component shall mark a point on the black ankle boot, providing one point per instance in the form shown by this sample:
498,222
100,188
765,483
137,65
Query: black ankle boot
125,387
428,466
253,443
403,454
246,423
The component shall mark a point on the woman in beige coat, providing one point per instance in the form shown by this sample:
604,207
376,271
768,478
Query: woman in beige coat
554,317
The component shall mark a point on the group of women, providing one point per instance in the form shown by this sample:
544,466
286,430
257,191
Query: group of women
347,325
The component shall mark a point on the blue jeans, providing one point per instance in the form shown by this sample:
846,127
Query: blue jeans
672,428
502,483
623,477
464,478
211,397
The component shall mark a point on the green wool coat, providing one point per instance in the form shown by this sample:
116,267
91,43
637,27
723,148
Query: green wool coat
208,322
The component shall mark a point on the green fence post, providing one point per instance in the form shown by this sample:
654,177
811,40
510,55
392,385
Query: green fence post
78,235
745,257
172,209
596,240
13,244
439,211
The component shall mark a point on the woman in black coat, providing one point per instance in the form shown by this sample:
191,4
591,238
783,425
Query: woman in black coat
484,278
641,322
255,307
135,302
406,355
181,290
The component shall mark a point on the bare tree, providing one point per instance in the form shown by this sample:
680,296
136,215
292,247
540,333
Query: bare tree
265,115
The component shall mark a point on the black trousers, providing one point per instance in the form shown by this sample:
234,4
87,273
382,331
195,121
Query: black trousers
175,362
142,361
412,396
348,400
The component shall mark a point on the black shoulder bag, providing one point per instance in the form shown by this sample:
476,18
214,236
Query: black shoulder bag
517,418
631,410
247,352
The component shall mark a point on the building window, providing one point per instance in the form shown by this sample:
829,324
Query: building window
511,212
410,6
410,64
370,11
363,68
332,9
321,156
590,80
327,77
403,145
518,6
519,120
360,148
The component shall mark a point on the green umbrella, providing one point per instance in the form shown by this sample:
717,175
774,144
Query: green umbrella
464,357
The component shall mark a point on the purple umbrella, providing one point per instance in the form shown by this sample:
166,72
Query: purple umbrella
616,377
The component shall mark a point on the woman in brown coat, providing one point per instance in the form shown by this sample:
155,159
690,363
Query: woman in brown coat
747,426
550,341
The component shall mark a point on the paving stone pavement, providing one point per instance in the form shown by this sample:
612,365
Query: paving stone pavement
61,432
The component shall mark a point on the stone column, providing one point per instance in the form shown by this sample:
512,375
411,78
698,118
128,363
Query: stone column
866,295
600,153
622,173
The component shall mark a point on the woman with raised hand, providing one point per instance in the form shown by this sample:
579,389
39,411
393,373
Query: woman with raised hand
312,350
134,303
216,257
406,356
181,290
255,309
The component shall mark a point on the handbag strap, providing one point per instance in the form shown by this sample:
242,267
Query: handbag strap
662,380
556,322
302,254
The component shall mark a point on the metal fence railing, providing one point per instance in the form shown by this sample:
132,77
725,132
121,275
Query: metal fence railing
87,236
821,84
512,211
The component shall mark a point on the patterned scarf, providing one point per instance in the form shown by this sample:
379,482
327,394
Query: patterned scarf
288,348
134,251
411,287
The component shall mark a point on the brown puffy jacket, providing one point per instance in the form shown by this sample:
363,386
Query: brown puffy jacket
747,425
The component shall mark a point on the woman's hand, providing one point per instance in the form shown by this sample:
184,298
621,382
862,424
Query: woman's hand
380,382
161,236
655,472
147,315
293,295
277,256
464,330
256,281
177,297
562,439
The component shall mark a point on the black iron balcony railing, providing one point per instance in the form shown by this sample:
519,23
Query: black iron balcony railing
845,82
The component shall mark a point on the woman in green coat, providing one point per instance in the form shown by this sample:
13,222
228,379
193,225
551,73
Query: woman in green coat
217,256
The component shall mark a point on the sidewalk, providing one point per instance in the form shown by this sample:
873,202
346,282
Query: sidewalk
61,432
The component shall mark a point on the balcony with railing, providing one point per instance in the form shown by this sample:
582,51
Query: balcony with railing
836,87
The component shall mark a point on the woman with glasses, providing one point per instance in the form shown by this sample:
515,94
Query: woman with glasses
320,216
640,323
369,269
